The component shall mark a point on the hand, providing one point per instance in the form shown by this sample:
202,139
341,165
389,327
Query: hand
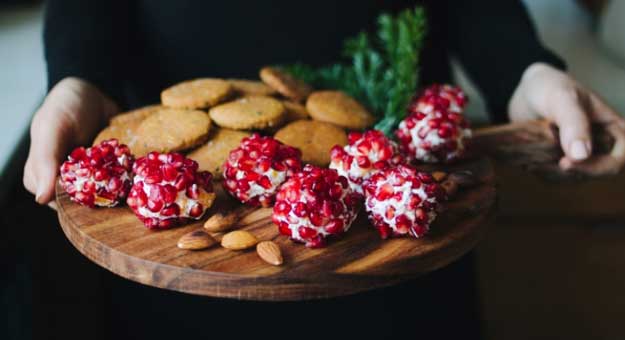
546,92
70,115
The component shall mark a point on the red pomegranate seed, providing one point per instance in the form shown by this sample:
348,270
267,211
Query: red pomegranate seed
307,233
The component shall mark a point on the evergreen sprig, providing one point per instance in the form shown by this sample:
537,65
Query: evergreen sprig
383,69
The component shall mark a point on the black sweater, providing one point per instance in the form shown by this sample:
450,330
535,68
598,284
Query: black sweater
134,49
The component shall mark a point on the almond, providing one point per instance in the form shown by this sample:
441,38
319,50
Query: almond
196,240
238,240
439,175
463,178
450,186
221,222
270,252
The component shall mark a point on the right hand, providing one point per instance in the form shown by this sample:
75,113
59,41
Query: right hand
70,115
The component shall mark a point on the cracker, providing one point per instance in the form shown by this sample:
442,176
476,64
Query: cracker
295,111
197,94
340,109
133,116
169,130
315,139
212,155
285,83
254,112
246,87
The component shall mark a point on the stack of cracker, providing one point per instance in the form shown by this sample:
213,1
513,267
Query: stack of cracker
208,117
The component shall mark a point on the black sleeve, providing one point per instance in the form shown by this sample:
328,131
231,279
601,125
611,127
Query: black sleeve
87,39
495,41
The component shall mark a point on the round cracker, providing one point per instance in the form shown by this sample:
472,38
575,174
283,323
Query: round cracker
125,134
134,116
338,108
315,139
295,111
251,87
254,112
196,94
212,155
285,83
170,130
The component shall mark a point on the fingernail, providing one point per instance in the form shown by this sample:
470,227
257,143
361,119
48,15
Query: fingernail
579,150
38,194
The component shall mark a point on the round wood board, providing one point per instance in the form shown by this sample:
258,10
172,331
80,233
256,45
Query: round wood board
116,240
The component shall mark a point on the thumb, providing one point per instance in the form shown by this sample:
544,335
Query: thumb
49,139
45,173
574,126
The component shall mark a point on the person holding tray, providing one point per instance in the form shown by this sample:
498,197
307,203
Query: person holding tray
103,56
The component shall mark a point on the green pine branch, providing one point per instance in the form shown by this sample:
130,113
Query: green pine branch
383,69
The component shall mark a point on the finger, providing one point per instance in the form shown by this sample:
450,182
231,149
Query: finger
574,127
28,178
46,180
53,205
48,141
607,164
46,162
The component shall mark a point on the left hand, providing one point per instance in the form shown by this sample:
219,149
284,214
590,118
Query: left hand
546,92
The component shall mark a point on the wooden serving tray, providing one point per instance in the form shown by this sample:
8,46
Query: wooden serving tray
116,240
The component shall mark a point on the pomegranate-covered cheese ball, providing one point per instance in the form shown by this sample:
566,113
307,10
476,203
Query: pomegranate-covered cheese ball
402,200
168,190
448,97
439,136
366,153
313,205
254,171
99,175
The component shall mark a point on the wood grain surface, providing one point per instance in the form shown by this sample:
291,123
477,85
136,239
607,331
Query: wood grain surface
534,145
116,240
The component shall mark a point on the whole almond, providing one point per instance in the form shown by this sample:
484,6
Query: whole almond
463,179
439,175
238,240
270,252
221,222
196,240
450,186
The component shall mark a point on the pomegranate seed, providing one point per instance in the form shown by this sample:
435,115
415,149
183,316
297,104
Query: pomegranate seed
385,192
243,185
307,233
155,205
265,182
171,210
316,219
282,208
169,173
335,226
284,229
196,211
316,242
300,209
